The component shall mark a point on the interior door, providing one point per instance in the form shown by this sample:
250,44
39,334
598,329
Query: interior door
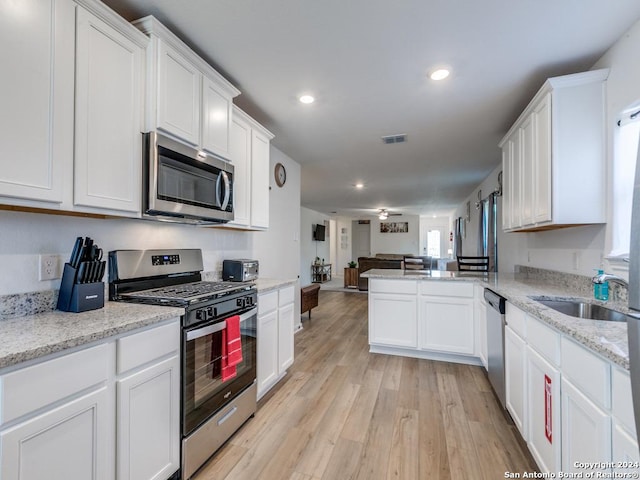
361,240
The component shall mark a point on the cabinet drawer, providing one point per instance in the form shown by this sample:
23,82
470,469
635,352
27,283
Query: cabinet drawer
621,400
34,387
286,296
544,340
379,285
588,372
267,302
143,347
517,320
447,289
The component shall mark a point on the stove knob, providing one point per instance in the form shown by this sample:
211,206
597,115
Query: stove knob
210,313
240,302
199,315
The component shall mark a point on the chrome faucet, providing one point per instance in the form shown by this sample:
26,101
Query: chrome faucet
607,277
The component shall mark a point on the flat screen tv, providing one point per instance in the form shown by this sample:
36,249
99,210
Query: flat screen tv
318,233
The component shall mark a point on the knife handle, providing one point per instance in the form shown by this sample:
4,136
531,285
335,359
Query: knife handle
81,272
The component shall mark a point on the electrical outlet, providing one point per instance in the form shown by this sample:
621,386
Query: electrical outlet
49,267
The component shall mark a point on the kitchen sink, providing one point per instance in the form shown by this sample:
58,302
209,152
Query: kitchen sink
577,308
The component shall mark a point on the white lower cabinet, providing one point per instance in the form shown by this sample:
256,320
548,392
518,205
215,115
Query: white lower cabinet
103,412
577,404
515,364
71,441
393,319
424,319
447,324
148,404
543,420
586,430
275,337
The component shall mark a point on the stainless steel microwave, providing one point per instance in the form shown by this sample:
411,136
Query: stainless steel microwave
182,184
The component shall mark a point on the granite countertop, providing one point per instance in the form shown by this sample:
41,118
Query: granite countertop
267,284
30,329
609,339
33,336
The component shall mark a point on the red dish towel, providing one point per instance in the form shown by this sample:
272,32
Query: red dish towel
231,348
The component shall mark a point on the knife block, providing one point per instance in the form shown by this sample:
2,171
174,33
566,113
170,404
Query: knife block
79,297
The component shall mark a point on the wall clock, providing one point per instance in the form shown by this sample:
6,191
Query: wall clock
280,174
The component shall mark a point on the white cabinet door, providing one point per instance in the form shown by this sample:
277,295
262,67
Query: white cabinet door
543,422
527,173
515,368
624,451
516,176
586,430
240,155
216,117
260,180
285,337
179,95
393,320
108,117
542,166
447,324
267,367
36,124
72,442
507,184
149,422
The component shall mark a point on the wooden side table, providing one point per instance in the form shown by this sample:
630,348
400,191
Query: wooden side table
320,273
350,277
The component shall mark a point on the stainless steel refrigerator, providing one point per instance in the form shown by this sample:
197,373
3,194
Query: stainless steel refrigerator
633,318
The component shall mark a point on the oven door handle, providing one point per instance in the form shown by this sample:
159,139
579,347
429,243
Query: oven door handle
217,327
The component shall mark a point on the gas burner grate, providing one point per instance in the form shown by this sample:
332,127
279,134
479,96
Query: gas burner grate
188,291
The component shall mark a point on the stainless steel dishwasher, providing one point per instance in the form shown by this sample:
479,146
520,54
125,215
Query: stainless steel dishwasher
495,343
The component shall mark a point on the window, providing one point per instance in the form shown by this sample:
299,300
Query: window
624,162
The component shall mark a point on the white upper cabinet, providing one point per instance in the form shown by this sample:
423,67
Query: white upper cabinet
554,156
71,123
179,86
36,124
108,147
186,97
249,152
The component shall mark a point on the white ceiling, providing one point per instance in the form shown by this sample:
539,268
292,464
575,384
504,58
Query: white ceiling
366,62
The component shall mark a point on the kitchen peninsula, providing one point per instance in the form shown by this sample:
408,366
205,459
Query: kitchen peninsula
567,381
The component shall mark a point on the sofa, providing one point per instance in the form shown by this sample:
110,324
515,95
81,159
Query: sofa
381,260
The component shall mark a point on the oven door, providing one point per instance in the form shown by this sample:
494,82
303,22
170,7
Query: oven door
183,182
204,392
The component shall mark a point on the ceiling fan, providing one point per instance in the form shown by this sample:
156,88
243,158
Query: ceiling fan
383,214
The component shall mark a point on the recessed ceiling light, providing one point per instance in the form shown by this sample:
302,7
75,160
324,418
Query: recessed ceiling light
359,185
306,99
439,74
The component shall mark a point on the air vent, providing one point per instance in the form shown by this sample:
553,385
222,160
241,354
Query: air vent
390,139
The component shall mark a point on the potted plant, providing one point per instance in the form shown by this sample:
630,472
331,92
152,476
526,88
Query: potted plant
351,275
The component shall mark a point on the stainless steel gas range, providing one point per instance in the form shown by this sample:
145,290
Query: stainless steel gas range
217,397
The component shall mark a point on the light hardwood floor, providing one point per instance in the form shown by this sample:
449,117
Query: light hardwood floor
344,413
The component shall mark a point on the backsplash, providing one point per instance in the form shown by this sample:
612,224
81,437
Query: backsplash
22,304
580,283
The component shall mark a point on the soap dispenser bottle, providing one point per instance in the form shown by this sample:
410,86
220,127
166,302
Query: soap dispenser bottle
601,289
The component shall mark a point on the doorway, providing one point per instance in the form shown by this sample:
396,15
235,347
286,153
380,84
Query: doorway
361,242
433,241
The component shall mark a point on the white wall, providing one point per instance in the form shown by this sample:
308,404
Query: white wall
578,249
309,248
26,235
396,242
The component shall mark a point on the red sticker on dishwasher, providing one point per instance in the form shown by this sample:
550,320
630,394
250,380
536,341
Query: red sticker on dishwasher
548,417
